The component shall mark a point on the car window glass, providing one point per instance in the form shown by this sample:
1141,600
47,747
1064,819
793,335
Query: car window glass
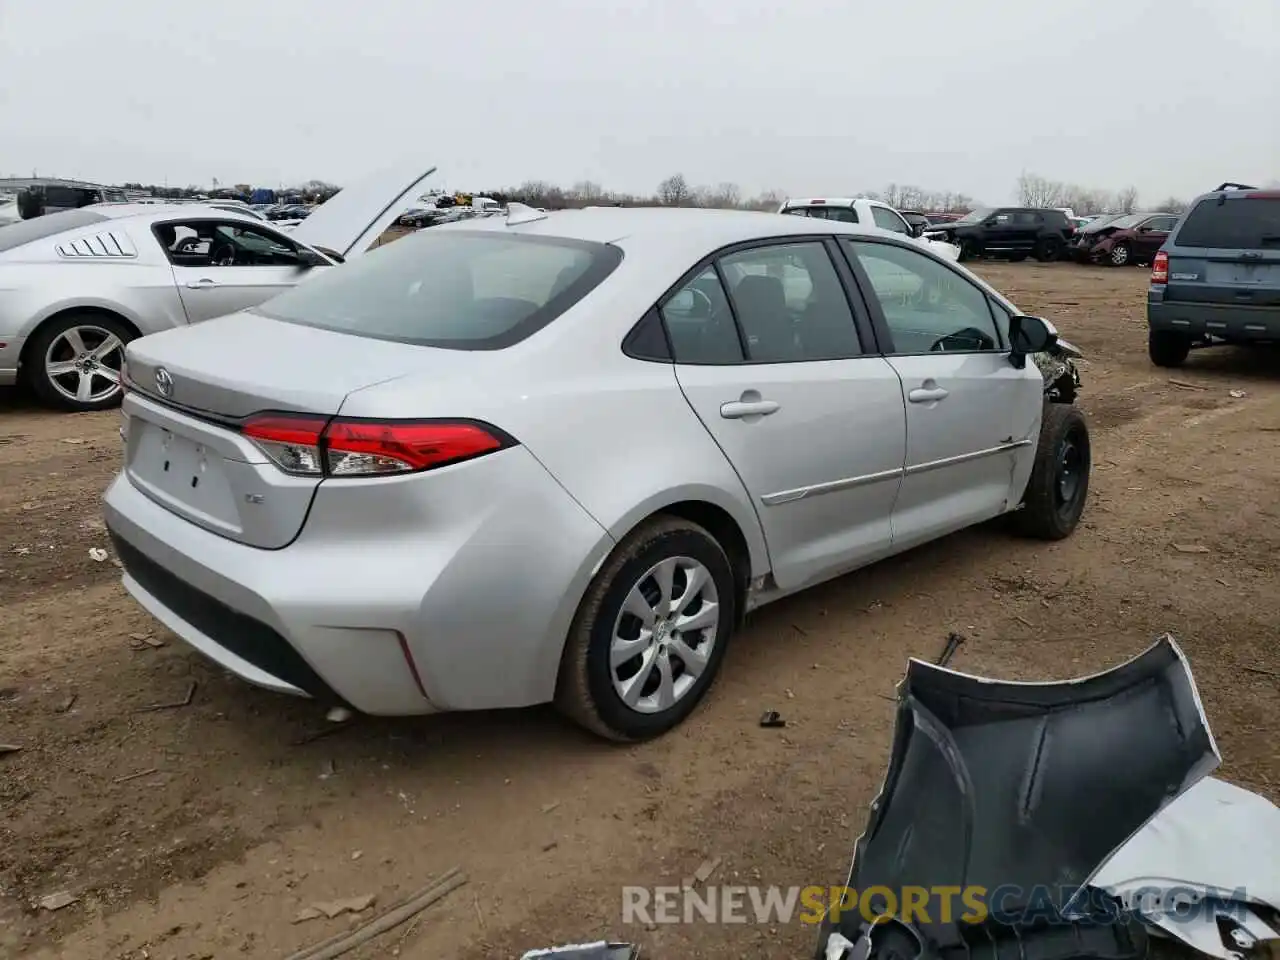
209,243
1247,223
1162,224
451,289
927,306
1001,217
888,220
1026,218
790,304
700,323
842,214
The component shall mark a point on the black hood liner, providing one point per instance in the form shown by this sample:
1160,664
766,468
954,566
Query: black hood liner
1033,785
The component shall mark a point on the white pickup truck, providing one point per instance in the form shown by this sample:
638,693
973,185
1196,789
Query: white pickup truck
863,210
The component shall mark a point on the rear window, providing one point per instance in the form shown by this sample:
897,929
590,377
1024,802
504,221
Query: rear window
453,289
843,214
28,231
1246,223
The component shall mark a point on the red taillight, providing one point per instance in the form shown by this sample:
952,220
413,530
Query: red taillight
1160,268
317,446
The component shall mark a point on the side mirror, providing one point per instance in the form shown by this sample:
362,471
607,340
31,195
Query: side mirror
1028,335
308,258
917,230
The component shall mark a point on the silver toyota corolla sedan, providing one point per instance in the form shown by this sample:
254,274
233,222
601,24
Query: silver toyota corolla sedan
77,286
558,457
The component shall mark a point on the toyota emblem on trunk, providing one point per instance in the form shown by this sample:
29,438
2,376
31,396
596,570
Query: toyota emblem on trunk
164,382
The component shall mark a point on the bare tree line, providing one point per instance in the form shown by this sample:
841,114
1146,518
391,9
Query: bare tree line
1037,191
677,191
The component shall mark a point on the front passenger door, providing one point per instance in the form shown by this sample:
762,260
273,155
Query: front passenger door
1151,235
769,356
972,417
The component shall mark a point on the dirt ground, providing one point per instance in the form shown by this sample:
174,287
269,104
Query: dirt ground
200,831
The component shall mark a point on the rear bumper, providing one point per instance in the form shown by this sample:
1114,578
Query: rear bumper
1230,322
468,614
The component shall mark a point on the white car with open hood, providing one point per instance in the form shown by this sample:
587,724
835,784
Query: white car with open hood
77,286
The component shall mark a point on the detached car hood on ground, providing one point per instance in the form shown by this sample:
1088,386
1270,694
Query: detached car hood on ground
1026,789
349,221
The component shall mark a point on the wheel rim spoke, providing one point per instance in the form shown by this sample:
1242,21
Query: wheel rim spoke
664,635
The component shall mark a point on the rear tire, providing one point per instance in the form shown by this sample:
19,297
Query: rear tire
1168,348
57,346
1059,485
668,661
968,250
1048,249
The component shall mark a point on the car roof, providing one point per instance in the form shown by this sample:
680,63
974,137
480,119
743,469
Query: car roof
682,230
152,212
828,201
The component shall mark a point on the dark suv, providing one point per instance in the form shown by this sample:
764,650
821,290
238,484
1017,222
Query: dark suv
1013,232
1217,277
51,196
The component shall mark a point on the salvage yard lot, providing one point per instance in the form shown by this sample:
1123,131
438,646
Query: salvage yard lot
201,830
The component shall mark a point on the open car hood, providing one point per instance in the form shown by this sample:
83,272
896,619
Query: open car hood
349,221
1026,789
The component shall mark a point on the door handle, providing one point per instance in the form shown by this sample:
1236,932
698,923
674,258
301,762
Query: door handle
737,409
204,283
927,394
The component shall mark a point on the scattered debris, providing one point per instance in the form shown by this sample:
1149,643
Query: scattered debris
338,715
547,808
1183,385
549,846
67,703
772,718
790,695
56,901
600,950
98,555
134,776
1190,548
147,638
328,770
76,440
1238,394
839,947
342,943
357,854
1024,621
702,874
799,629
185,701
954,642
9,748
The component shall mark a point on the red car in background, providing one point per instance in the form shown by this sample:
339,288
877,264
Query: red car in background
1132,238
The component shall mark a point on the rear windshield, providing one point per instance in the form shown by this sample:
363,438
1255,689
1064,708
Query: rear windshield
1246,223
843,214
27,231
461,290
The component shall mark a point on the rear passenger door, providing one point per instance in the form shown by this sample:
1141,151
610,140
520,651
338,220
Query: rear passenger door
972,417
774,362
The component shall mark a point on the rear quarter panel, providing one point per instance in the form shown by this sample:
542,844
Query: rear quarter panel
36,283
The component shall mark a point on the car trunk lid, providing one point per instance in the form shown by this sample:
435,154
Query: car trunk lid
191,389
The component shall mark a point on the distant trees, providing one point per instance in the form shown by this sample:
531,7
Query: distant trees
1037,191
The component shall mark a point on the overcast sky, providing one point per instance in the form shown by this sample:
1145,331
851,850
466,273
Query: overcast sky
807,96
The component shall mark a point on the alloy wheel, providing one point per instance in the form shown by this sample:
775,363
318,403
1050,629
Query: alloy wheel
664,634
1120,255
84,364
